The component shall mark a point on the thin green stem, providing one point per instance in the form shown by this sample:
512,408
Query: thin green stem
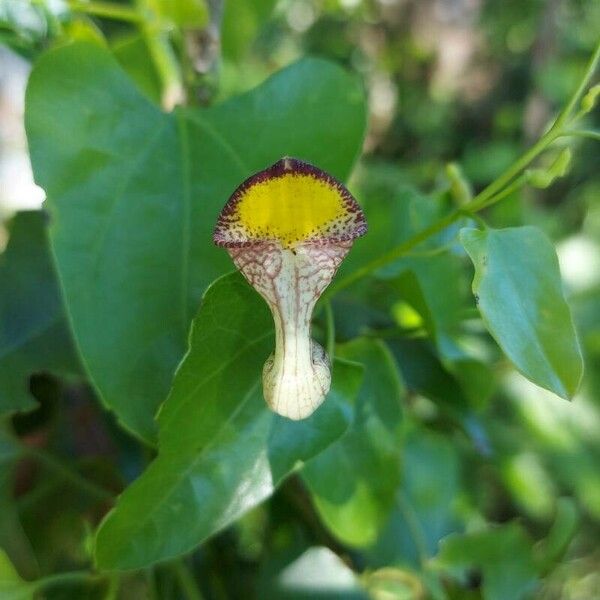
107,10
392,255
114,582
564,115
330,330
186,580
68,474
162,54
152,585
482,199
64,578
515,185
475,217
584,133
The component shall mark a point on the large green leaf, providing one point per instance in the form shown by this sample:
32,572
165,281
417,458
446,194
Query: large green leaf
221,451
134,194
353,483
518,289
34,333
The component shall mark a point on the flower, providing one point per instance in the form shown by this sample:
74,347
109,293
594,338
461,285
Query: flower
287,229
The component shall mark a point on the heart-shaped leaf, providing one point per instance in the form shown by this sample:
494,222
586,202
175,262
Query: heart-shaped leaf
134,194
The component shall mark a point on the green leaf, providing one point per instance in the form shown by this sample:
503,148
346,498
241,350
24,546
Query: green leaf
12,587
221,451
518,289
134,195
34,333
425,511
433,286
566,524
503,554
353,483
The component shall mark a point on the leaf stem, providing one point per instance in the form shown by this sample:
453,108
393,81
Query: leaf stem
157,40
186,580
107,10
578,93
517,183
395,253
68,474
584,133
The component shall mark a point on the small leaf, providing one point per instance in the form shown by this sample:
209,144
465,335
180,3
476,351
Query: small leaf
543,178
517,281
589,100
460,188
353,483
503,554
566,524
221,450
34,332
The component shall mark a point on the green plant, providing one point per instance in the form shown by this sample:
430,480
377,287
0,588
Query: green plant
122,297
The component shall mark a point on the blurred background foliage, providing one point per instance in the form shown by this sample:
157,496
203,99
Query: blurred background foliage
479,484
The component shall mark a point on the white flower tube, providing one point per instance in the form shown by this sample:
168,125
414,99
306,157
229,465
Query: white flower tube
287,230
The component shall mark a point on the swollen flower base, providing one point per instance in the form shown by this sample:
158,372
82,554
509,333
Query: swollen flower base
287,230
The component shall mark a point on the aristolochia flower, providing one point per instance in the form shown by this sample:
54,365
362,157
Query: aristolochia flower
287,229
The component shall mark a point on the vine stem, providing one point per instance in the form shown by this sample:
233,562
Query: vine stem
584,133
499,189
